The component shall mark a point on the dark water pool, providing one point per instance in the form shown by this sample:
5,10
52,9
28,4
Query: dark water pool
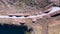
10,29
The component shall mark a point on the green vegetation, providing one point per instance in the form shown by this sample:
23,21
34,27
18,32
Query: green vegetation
27,2
28,33
33,3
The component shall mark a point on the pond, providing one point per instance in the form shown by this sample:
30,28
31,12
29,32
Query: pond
11,29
